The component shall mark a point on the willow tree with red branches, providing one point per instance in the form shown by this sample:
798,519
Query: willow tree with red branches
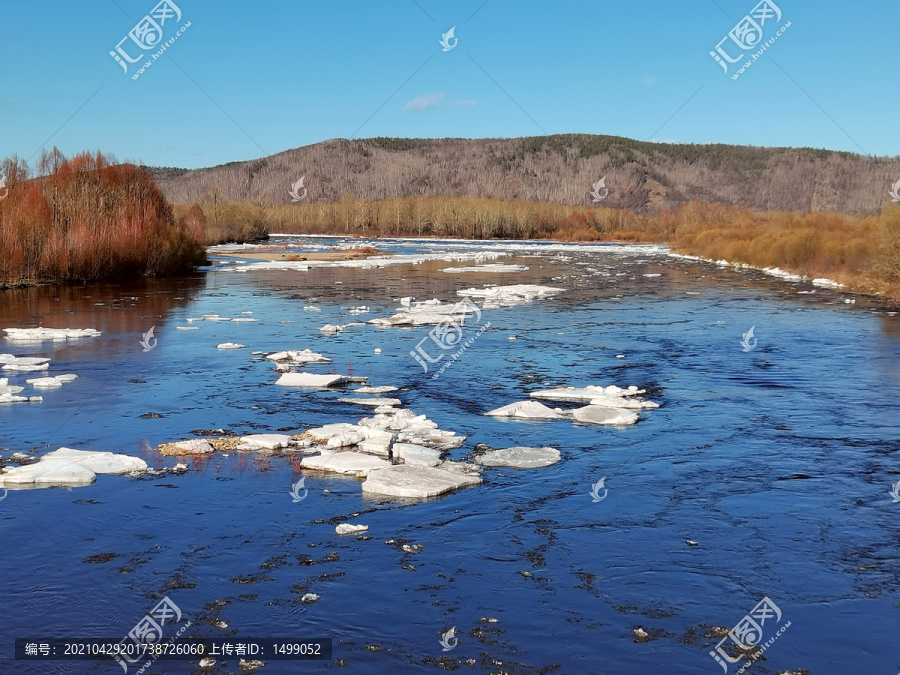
87,218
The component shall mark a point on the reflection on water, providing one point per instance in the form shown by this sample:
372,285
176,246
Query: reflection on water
778,462
110,308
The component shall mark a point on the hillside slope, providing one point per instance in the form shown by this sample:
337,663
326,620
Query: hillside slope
640,176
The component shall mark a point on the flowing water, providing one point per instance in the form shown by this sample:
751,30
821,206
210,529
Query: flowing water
777,463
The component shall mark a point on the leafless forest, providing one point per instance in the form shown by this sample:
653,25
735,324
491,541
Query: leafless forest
641,177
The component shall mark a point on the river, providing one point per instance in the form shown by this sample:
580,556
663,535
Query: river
776,464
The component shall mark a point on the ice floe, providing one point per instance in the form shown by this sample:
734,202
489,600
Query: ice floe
489,267
374,390
189,447
526,410
518,457
372,262
346,528
55,334
343,435
310,380
601,414
187,327
50,382
24,364
611,396
326,432
264,442
68,467
230,345
294,357
429,312
377,441
345,462
509,296
412,428
374,402
611,405
334,329
419,482
9,393
418,455
388,428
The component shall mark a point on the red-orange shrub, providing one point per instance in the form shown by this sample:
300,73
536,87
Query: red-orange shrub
87,220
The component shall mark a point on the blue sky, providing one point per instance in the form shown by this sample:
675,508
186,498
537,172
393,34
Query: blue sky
250,79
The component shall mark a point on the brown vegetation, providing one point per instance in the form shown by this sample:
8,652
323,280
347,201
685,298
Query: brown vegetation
226,222
641,177
87,219
863,252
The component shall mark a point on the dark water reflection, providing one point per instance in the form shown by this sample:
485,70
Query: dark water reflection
110,308
778,462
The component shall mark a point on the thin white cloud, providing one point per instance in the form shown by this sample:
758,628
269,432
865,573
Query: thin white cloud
427,101
424,102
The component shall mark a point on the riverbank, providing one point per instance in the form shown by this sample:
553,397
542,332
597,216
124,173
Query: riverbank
861,252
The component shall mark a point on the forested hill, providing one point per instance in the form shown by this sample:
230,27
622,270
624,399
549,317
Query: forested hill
639,176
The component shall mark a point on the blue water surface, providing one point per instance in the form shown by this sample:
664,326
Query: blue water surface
777,462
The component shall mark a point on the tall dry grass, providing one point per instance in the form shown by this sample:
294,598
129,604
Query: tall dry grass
862,252
89,219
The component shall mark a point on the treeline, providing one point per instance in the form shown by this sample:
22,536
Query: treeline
863,252
87,218
462,217
221,223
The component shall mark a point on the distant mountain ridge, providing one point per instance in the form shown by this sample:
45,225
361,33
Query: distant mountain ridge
641,176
